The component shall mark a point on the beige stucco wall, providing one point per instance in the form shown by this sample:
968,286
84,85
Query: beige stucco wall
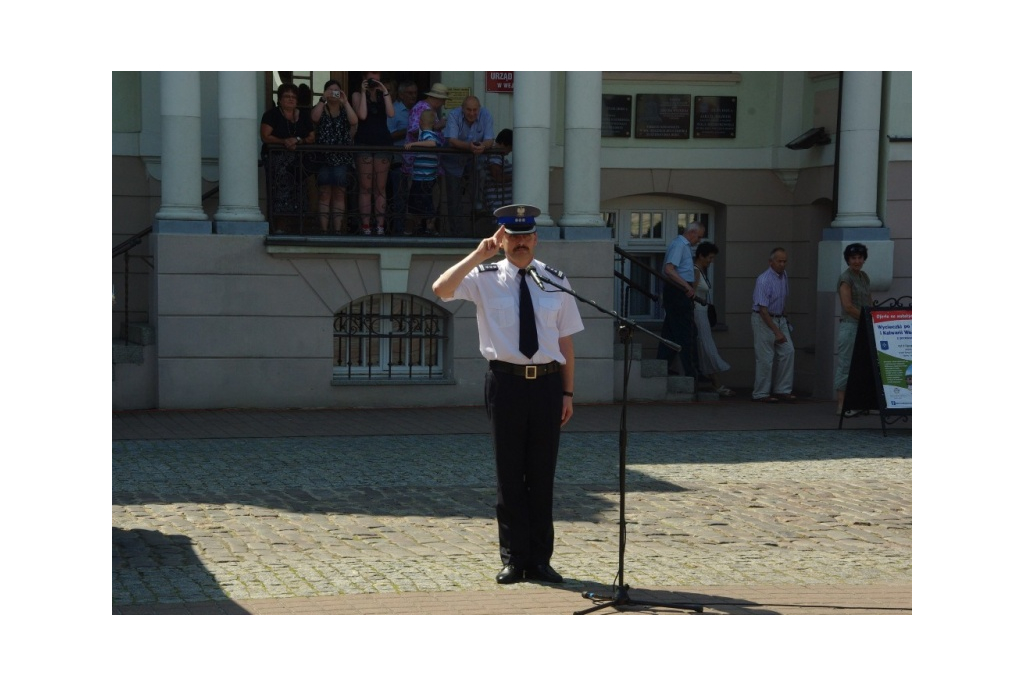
241,326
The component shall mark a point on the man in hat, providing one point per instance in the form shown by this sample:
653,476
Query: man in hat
528,389
434,100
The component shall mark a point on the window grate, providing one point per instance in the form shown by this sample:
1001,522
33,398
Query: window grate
390,337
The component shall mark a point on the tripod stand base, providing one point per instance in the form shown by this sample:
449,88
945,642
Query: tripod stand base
621,598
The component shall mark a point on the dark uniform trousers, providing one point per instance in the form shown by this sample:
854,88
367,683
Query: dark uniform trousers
680,329
526,417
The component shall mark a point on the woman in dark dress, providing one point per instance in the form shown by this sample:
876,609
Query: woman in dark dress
288,126
373,106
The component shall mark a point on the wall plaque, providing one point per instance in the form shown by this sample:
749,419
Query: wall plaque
616,116
714,117
662,116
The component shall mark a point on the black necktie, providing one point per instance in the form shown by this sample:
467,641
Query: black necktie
527,323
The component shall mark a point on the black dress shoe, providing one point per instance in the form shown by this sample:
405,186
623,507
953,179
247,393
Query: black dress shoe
543,572
510,573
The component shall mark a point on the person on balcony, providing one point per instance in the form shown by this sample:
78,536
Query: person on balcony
288,126
372,103
334,118
470,130
398,125
498,179
424,174
433,100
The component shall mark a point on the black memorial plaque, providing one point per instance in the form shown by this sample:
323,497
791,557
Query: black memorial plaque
663,116
616,116
714,117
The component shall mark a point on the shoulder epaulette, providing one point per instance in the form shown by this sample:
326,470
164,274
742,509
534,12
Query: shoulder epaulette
487,267
554,271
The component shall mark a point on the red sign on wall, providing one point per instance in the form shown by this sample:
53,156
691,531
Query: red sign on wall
500,81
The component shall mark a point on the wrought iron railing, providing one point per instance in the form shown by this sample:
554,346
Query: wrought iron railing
631,287
293,206
124,248
390,337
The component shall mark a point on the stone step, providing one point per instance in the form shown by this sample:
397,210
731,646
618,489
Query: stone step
141,334
127,352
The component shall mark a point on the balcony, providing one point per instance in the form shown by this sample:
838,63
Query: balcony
457,205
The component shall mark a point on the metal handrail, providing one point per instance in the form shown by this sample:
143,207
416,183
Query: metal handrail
124,248
653,297
132,241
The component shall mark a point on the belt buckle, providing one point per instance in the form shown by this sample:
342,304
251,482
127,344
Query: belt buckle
530,372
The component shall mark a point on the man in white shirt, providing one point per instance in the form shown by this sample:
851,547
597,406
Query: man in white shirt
525,336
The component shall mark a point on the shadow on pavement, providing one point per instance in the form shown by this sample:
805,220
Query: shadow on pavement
162,571
602,599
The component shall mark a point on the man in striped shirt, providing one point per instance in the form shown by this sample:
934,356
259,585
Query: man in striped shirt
773,347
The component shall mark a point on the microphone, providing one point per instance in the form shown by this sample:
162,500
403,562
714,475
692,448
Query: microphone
532,270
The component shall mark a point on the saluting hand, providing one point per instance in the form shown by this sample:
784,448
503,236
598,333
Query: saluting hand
489,246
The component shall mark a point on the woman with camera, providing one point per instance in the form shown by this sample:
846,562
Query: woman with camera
334,119
373,105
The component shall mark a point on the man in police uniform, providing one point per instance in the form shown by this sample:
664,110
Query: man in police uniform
528,389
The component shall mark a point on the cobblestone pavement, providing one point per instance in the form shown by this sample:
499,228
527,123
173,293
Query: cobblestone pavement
243,519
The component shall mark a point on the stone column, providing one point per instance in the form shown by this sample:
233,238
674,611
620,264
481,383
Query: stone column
582,173
860,121
181,206
856,215
238,211
531,111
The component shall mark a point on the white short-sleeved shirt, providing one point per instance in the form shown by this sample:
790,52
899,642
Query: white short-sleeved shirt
494,288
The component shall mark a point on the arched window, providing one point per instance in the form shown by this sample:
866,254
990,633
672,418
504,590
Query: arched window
390,337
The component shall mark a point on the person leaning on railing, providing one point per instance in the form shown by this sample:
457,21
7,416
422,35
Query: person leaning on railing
286,125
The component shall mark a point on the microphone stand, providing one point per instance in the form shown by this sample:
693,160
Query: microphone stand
619,596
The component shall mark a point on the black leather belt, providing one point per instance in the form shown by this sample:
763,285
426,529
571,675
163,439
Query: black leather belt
528,372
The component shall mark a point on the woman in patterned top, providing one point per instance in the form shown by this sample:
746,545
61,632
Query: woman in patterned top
334,119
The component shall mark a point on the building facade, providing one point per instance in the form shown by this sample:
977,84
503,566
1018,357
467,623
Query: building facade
214,310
